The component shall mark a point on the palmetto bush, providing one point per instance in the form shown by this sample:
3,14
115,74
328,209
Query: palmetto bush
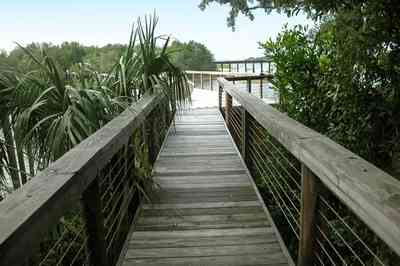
51,110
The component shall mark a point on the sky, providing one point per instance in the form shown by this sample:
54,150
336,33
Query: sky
99,22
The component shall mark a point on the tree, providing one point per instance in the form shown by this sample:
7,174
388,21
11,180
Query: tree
68,54
381,10
359,66
52,109
103,58
191,56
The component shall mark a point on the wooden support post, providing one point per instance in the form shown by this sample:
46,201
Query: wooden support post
262,67
166,114
244,135
254,68
249,85
201,80
228,108
94,221
211,83
261,89
237,67
269,67
147,134
309,195
150,138
230,67
155,137
193,80
220,98
245,67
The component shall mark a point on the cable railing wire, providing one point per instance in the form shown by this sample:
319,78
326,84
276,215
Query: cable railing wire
340,238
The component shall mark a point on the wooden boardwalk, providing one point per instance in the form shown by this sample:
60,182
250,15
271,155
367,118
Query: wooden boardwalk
207,211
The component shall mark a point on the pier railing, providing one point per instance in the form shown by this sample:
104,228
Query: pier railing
331,206
78,211
246,66
252,82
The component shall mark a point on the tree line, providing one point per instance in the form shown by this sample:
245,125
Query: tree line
186,55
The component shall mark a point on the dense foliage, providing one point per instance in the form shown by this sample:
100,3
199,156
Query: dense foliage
192,56
49,105
341,77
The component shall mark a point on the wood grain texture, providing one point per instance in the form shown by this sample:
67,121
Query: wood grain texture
206,211
28,213
308,214
369,192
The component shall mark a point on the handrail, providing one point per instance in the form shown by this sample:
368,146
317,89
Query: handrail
245,63
208,78
250,61
367,191
249,77
27,214
219,73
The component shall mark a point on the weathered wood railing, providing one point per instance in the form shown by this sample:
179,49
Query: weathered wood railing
78,210
331,206
208,79
264,65
252,82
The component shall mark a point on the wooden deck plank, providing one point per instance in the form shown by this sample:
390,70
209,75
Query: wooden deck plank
208,241
170,252
206,211
232,260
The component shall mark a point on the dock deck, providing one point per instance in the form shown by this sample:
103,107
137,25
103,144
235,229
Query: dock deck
207,210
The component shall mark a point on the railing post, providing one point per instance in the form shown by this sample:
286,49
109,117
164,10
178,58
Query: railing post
220,98
245,67
309,195
262,67
228,108
211,84
155,137
168,111
254,68
163,118
230,67
150,138
245,138
193,80
249,85
201,80
261,89
94,221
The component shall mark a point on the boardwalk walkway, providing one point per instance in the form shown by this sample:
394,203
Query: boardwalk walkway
207,211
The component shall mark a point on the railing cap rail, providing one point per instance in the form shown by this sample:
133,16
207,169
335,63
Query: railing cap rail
372,194
249,61
219,73
26,214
